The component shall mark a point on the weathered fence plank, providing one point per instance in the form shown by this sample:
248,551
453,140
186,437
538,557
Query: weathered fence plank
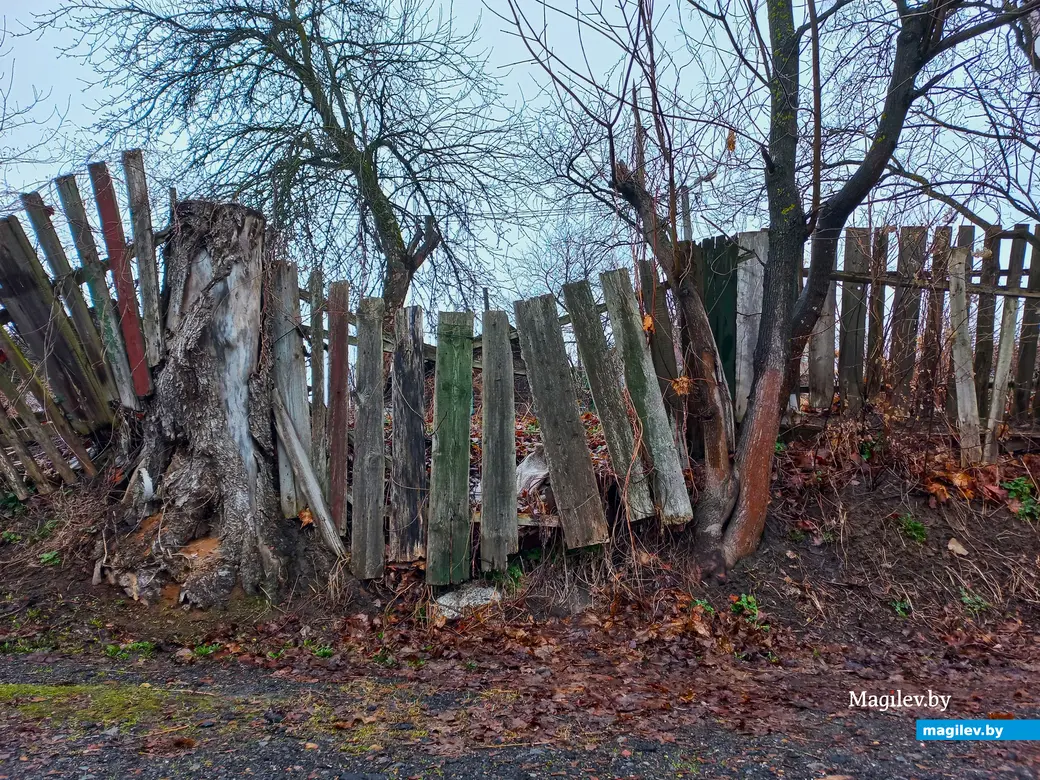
967,401
339,402
965,239
144,251
289,373
69,289
720,295
563,436
1027,344
821,356
932,349
97,284
670,492
448,547
1006,351
10,472
40,318
498,524
875,303
408,480
754,248
37,431
853,321
29,464
607,393
294,448
126,295
906,314
367,548
319,412
654,303
984,321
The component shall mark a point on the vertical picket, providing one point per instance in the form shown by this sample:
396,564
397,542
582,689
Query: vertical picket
853,321
367,546
339,402
408,483
498,524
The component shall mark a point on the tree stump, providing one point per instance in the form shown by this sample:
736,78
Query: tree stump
203,499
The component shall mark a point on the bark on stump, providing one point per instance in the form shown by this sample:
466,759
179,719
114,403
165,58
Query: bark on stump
203,498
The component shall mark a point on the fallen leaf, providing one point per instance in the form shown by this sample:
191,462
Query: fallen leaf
648,323
956,547
310,746
306,518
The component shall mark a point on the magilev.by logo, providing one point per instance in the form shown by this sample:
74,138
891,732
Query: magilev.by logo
897,700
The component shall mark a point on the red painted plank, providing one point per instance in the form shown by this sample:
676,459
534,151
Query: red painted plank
126,295
339,401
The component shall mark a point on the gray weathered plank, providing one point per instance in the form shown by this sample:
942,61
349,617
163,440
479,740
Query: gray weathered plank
36,429
144,250
100,295
367,545
670,492
751,262
967,401
69,289
984,320
966,239
906,314
339,402
1026,369
608,394
653,301
499,536
29,464
933,331
10,472
305,478
852,325
408,482
821,356
448,557
319,412
563,436
289,374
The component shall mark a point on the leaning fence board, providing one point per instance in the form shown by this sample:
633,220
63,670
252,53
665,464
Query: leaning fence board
289,373
932,348
10,472
126,295
906,314
144,251
875,356
31,382
339,402
1030,330
670,492
97,284
29,464
309,487
1006,352
449,526
36,429
821,356
498,526
408,480
853,321
754,248
367,548
967,401
606,386
69,289
27,295
563,436
319,412
983,364
654,304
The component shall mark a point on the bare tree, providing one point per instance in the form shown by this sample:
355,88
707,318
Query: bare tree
355,124
870,67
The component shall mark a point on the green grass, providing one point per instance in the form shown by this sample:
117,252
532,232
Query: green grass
912,529
902,607
325,651
204,650
51,558
973,603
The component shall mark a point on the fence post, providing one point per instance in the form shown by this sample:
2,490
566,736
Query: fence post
1006,352
853,321
339,402
1030,330
367,546
408,483
144,250
319,412
498,522
97,284
906,313
607,393
450,522
126,295
289,374
967,402
669,484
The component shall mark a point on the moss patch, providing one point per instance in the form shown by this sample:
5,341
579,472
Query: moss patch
108,704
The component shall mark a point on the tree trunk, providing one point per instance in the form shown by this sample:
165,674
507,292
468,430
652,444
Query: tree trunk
203,499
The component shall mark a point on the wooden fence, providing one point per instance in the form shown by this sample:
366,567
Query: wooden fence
68,365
